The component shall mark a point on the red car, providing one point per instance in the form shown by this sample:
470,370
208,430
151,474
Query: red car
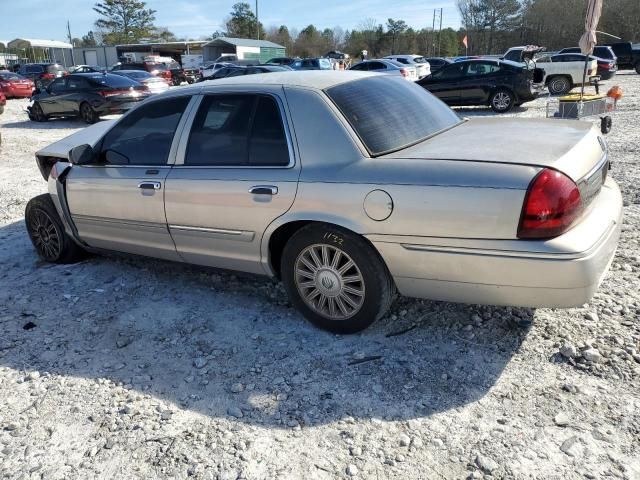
3,102
14,85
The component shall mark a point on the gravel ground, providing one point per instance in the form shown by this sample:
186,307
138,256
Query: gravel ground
123,367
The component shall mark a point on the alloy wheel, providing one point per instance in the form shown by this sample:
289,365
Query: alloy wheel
501,101
329,282
45,235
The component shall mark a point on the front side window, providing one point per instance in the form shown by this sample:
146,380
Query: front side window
237,130
57,86
481,68
361,102
74,83
144,136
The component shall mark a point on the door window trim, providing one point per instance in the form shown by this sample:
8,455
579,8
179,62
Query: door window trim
174,142
186,131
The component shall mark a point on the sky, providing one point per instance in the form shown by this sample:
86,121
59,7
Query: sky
46,19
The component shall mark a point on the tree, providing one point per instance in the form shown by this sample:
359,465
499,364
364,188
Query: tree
124,21
88,40
243,23
163,34
395,28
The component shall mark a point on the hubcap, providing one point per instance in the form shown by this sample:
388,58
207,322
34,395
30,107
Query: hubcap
45,235
329,282
501,101
559,85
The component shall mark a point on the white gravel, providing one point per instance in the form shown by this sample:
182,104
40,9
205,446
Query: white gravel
123,367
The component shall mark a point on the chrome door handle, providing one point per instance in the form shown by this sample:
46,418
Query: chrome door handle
149,185
264,190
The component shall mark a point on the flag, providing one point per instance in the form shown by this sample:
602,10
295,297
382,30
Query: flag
464,42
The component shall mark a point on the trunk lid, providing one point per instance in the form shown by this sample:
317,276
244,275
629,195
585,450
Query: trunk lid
570,146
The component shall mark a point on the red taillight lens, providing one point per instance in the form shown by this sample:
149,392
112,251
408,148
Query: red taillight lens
404,72
111,93
551,206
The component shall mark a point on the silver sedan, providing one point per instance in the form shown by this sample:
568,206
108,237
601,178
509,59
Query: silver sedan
347,186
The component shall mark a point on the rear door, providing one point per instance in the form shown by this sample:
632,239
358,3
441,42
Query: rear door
118,202
235,174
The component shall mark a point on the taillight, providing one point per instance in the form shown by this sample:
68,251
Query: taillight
47,76
551,205
111,93
4,85
404,72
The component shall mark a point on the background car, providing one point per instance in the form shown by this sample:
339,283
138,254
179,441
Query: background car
42,74
209,69
422,66
15,85
628,55
87,95
237,71
497,83
154,68
281,61
607,60
390,67
564,71
87,69
312,64
154,84
436,63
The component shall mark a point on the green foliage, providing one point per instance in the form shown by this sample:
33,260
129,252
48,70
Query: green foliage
124,21
243,22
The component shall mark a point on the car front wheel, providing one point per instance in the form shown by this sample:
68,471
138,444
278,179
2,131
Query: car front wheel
335,279
36,114
47,233
502,101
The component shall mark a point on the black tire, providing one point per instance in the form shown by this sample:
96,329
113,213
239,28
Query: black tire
638,67
36,114
559,84
47,232
88,114
502,100
375,290
606,123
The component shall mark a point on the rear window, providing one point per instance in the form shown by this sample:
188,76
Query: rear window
389,114
419,60
157,66
324,63
115,81
603,52
138,74
10,76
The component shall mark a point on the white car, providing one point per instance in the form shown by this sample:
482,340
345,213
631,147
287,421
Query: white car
388,66
421,65
565,71
208,70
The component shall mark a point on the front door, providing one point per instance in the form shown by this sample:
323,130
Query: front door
444,84
118,202
55,101
235,174
479,79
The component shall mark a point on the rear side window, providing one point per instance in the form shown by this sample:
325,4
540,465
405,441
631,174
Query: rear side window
34,69
378,110
377,66
144,136
76,83
237,130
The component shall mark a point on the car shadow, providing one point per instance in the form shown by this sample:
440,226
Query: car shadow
220,343
52,123
484,111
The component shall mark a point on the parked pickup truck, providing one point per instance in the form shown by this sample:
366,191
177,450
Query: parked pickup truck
565,71
628,55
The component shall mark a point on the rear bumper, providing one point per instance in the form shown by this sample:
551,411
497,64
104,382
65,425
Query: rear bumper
18,92
561,272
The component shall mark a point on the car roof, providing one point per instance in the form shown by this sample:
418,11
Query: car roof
316,79
137,72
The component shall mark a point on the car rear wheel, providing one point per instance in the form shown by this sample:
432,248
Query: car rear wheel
47,233
559,85
638,67
88,114
335,279
502,101
36,113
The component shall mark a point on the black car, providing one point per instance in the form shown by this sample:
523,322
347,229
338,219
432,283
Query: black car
87,95
607,60
628,55
437,63
282,61
42,74
236,71
312,64
497,83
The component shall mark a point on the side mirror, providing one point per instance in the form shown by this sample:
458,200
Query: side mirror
82,155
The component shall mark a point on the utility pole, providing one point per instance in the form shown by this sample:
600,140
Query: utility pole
440,32
257,22
433,35
73,60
